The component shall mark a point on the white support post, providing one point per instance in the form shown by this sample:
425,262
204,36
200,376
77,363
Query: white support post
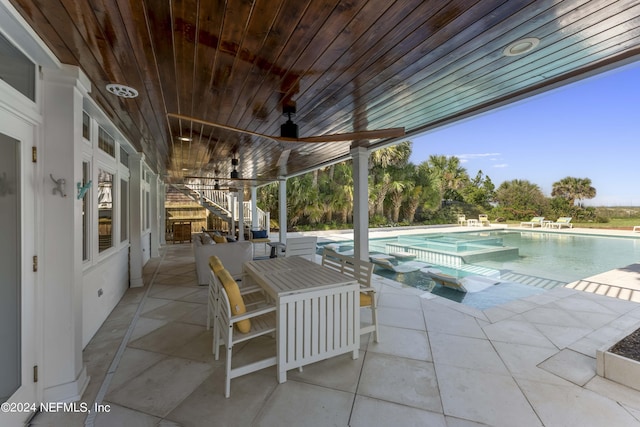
63,374
232,203
154,217
254,209
282,204
360,203
162,220
135,220
240,213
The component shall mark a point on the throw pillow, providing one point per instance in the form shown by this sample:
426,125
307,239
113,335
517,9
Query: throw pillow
259,234
219,239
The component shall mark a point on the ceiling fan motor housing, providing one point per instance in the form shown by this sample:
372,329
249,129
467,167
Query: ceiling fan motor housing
289,129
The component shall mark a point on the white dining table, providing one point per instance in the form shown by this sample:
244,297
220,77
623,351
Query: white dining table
318,310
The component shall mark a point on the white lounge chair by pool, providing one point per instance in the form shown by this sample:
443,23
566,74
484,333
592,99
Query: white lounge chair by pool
406,267
446,280
564,221
535,221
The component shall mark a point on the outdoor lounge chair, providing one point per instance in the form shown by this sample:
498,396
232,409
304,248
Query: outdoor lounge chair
483,219
636,228
535,221
564,221
462,220
446,280
406,267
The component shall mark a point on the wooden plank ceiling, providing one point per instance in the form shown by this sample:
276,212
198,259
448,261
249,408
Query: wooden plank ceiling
347,66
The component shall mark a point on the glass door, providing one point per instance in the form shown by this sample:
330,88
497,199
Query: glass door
18,316
10,265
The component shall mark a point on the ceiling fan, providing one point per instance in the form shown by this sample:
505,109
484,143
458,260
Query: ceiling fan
289,130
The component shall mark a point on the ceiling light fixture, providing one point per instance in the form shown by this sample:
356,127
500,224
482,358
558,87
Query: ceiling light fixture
185,139
520,47
122,91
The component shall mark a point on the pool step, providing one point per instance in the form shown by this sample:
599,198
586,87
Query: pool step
609,290
481,271
525,279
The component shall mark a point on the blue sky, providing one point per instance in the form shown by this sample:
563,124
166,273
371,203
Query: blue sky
589,129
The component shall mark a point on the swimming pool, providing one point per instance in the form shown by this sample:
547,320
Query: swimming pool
522,263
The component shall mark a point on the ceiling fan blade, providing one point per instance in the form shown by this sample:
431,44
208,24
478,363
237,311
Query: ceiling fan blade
338,137
365,134
220,126
282,162
222,178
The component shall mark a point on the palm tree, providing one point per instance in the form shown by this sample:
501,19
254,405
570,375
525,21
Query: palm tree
571,188
447,174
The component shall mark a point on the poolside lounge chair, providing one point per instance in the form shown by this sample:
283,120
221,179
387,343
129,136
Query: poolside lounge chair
446,280
536,220
483,219
406,267
564,221
636,228
462,220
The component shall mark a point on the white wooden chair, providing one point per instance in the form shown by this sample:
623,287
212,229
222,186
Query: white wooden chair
254,323
362,272
252,293
302,246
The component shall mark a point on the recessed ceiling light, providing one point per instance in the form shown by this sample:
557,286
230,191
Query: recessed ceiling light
122,90
185,138
520,47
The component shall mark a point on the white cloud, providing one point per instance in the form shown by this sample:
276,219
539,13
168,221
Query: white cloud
475,155
501,165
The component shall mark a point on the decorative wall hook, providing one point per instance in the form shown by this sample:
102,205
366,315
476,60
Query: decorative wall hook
82,189
59,186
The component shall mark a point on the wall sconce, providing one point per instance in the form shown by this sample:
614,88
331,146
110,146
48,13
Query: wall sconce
59,188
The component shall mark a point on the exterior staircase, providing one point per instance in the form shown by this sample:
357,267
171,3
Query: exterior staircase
224,207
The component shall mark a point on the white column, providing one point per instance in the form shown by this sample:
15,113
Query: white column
240,213
282,204
63,374
162,220
135,218
232,202
153,217
254,209
360,203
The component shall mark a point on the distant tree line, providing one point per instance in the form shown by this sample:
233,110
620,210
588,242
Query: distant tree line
434,192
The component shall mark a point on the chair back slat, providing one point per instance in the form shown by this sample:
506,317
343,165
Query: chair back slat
302,246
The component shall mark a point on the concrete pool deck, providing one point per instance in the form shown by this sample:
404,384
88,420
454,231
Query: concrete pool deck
531,362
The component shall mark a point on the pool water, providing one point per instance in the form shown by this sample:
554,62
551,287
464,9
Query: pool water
523,263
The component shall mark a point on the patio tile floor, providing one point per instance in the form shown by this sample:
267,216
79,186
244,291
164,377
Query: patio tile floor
528,363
